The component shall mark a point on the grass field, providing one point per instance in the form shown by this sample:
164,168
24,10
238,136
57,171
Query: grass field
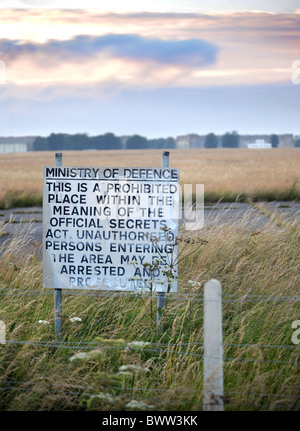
260,274
228,174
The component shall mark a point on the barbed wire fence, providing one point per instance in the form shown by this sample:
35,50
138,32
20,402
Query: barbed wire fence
219,399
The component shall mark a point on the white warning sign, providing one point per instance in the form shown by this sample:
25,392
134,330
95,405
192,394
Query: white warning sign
110,228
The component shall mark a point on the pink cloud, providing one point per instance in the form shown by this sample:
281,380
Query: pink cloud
253,47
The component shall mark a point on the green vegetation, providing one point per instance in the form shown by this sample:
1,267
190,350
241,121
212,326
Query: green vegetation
14,199
211,141
230,140
292,193
137,142
81,141
274,141
166,373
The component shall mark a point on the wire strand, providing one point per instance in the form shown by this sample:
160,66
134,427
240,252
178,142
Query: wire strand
173,295
66,346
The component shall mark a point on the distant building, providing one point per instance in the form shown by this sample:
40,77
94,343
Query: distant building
259,143
20,144
124,140
182,142
17,147
285,141
193,140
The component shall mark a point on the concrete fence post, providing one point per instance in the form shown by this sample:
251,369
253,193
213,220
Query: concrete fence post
213,391
2,332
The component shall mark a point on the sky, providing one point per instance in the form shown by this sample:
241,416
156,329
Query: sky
155,68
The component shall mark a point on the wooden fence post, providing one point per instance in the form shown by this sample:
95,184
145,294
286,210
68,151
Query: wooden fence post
58,292
161,296
213,391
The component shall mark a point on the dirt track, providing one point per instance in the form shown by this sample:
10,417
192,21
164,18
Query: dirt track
16,221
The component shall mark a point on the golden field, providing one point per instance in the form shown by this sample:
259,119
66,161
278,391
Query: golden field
226,173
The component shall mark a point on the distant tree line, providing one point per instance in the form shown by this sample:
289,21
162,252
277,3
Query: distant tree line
229,140
140,142
81,141
108,141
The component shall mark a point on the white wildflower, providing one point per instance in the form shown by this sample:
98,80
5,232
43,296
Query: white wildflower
195,283
104,397
134,368
87,355
44,322
139,405
75,319
80,356
96,352
138,344
125,373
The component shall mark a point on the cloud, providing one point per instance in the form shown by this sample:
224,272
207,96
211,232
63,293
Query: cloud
147,50
190,52
159,5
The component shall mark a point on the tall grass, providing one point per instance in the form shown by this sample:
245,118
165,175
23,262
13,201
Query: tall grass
169,377
14,199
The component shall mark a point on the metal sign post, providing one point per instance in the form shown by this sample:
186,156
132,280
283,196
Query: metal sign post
161,296
58,292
